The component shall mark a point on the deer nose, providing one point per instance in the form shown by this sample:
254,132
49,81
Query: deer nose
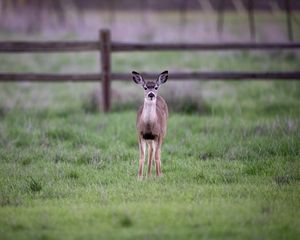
151,95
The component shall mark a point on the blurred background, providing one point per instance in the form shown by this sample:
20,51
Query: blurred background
167,21
151,21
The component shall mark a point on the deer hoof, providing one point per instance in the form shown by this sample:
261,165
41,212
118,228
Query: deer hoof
140,178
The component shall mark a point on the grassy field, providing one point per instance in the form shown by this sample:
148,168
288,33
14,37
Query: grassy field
230,160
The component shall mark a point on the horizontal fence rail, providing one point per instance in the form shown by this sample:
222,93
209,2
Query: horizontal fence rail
45,77
206,76
35,47
105,47
119,47
203,76
26,47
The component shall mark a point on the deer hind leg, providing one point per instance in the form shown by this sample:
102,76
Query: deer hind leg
150,156
157,156
142,147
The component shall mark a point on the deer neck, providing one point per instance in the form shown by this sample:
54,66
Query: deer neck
149,111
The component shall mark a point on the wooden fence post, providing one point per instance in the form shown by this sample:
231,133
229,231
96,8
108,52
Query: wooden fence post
251,20
289,20
220,22
105,48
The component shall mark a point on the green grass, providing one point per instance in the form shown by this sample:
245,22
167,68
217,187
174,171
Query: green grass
70,177
230,160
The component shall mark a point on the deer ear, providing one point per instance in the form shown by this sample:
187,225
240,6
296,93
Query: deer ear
137,78
162,78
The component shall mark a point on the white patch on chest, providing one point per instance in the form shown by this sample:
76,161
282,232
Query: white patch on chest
149,111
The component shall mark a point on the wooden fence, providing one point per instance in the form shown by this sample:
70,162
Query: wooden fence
106,47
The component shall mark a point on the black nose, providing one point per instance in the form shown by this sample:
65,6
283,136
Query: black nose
151,95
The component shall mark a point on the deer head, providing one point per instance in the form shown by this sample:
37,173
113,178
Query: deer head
150,87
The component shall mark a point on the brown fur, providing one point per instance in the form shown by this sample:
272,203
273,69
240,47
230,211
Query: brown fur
152,133
158,128
151,122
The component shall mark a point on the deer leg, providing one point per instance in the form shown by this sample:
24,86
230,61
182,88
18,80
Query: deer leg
157,156
142,147
150,156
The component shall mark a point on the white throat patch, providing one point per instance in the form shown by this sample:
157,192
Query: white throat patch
149,111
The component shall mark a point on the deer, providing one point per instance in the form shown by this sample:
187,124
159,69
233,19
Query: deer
151,122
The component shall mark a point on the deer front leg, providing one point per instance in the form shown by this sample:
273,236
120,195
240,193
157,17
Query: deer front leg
142,147
157,156
150,156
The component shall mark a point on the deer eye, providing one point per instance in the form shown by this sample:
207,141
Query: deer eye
145,88
156,87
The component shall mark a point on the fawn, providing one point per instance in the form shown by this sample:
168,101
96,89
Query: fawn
151,122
